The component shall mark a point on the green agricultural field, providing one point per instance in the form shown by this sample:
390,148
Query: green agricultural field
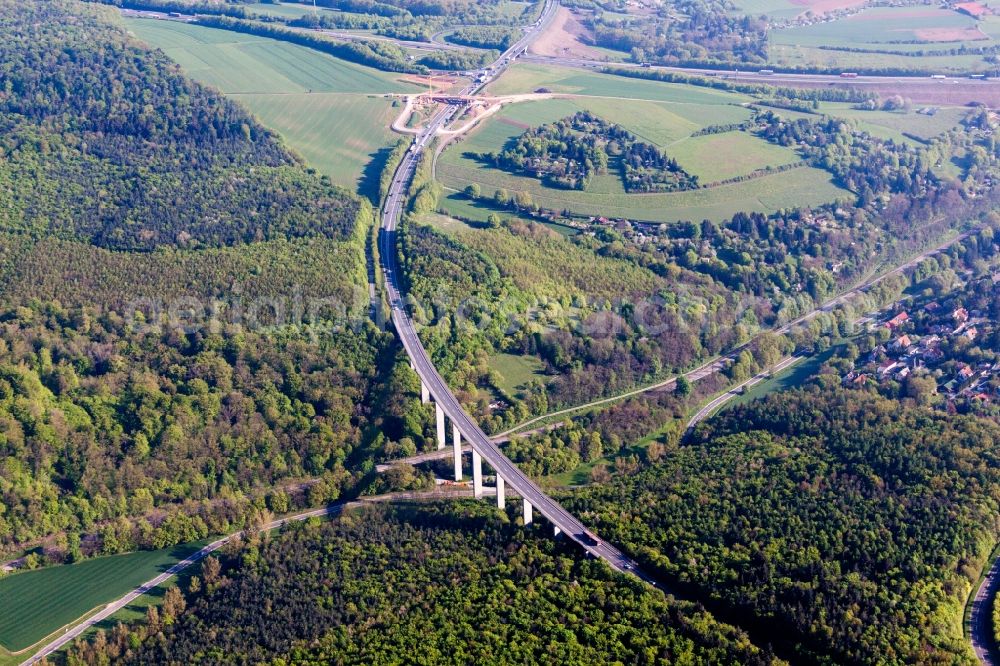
338,134
238,63
773,9
285,10
892,124
606,195
926,28
37,603
805,56
664,123
516,371
716,157
661,123
328,110
804,186
661,113
882,25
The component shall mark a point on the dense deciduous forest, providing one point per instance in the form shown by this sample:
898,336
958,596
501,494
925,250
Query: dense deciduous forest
598,322
568,153
103,420
442,584
484,37
848,526
684,31
183,310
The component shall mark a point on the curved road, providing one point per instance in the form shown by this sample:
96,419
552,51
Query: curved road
519,482
981,624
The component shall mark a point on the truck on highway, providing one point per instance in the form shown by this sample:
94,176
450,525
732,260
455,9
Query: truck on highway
765,72
939,77
848,75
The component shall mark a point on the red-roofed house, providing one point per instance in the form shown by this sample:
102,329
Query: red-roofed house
897,321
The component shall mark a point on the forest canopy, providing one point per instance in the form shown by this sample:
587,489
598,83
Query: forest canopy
850,527
443,584
104,141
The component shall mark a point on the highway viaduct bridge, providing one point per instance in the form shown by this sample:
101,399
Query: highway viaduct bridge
432,385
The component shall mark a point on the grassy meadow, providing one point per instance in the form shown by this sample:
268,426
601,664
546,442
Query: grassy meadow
516,371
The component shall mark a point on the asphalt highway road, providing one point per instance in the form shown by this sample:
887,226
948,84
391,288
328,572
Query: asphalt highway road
519,482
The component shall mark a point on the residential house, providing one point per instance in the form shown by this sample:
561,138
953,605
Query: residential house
897,321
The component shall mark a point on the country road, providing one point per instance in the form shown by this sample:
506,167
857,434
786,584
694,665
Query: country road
720,400
720,362
328,511
125,600
981,622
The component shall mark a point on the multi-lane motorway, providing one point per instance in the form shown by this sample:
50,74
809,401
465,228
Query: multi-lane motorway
515,479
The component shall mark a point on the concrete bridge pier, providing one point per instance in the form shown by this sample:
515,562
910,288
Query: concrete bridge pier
456,438
527,509
501,495
440,426
477,474
425,393
556,531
